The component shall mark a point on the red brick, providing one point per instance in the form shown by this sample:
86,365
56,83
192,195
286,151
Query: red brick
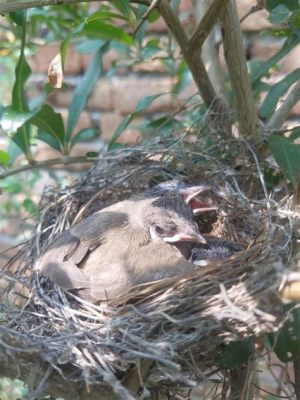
256,21
155,65
83,122
102,96
109,122
128,91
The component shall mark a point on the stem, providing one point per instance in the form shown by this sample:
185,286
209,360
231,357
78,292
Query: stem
49,163
193,59
280,115
214,10
210,52
239,77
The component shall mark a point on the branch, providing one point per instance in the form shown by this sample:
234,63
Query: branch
206,25
210,52
14,5
49,163
193,59
239,77
145,16
258,7
280,115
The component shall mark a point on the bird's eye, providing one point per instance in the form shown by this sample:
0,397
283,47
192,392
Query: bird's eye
159,230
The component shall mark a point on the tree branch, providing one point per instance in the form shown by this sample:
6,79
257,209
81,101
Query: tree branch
210,52
48,163
278,118
239,77
206,25
193,59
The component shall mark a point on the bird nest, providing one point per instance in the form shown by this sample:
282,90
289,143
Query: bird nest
167,335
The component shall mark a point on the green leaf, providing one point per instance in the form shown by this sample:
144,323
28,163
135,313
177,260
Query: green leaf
153,16
278,90
92,154
287,341
104,14
144,103
272,177
22,73
141,106
30,206
85,135
50,140
287,155
263,68
12,184
279,15
14,151
4,158
102,30
290,4
295,19
13,120
89,46
22,140
51,122
19,102
123,6
63,50
18,17
235,354
84,89
295,133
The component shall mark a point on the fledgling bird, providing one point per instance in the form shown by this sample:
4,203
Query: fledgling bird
128,243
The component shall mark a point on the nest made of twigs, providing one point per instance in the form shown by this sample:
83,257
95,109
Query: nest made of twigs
167,334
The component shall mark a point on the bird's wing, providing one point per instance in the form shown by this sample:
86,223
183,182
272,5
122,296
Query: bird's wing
66,275
109,282
74,245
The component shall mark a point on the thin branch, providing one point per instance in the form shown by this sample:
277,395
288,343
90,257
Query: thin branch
280,115
145,16
193,60
239,77
210,52
258,7
49,163
206,25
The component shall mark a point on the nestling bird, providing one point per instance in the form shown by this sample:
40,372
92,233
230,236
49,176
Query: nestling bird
190,194
131,242
215,249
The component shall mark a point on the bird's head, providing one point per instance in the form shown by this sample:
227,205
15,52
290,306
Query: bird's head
190,194
169,219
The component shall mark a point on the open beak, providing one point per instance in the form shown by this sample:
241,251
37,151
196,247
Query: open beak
198,206
188,234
